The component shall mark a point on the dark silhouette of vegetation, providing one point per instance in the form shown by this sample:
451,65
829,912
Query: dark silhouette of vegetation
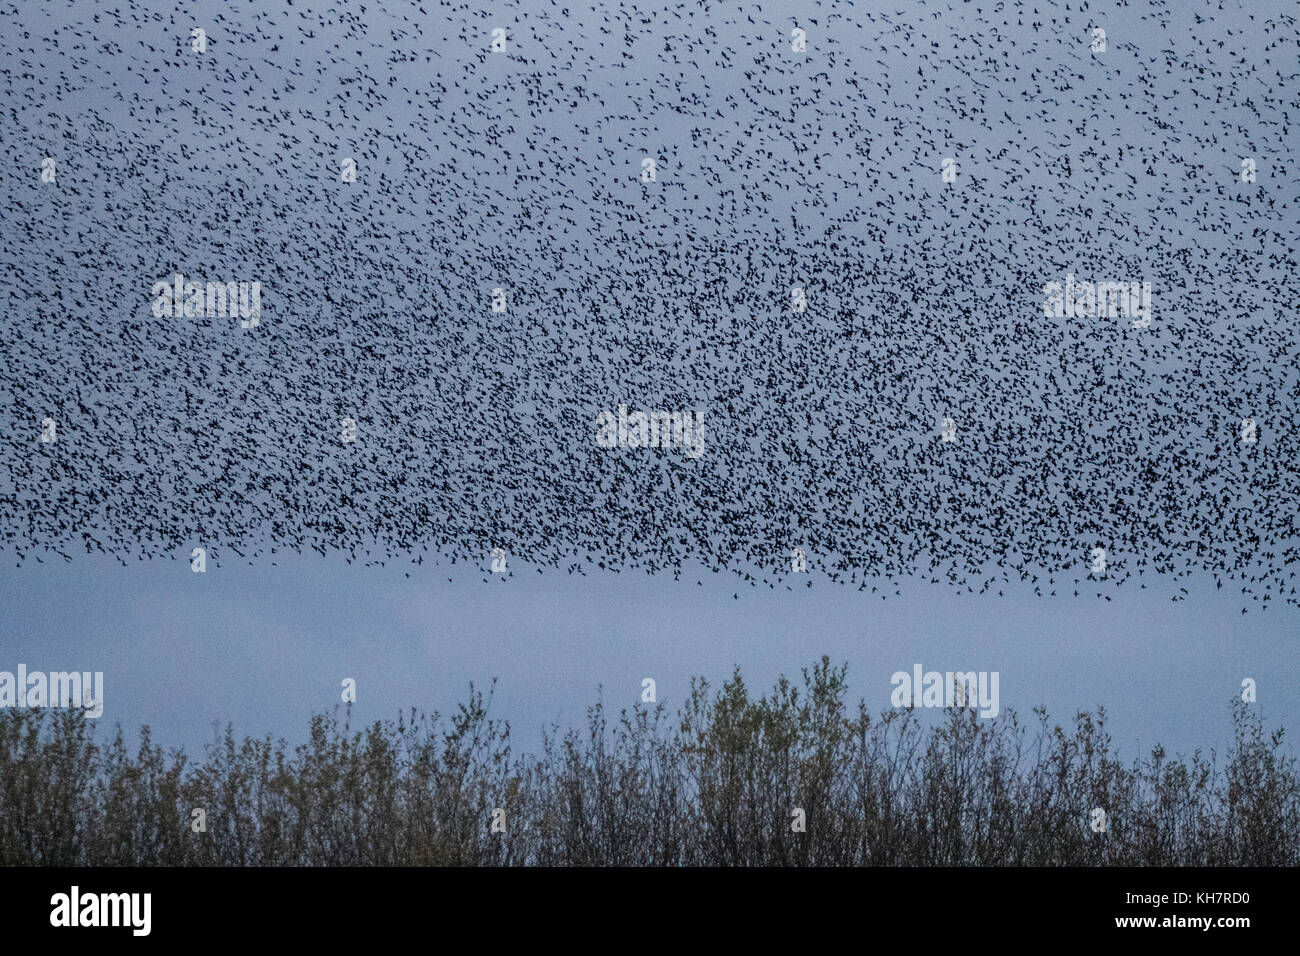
717,785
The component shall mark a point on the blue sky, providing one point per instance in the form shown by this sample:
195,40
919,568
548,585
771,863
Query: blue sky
264,646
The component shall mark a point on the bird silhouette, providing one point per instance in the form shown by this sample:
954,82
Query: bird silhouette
521,170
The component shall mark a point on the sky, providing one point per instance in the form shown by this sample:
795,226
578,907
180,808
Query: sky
263,646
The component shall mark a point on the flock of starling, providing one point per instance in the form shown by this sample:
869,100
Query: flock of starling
476,227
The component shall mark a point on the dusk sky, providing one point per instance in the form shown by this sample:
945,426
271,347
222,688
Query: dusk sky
263,646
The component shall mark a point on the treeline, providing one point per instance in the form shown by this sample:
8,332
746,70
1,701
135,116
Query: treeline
716,784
